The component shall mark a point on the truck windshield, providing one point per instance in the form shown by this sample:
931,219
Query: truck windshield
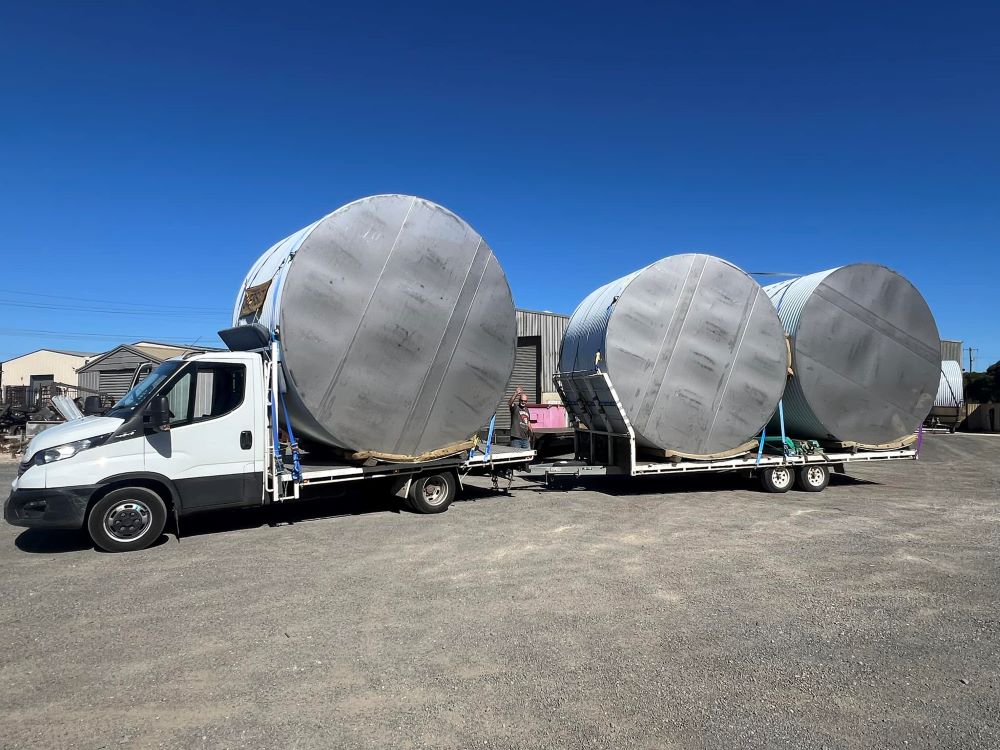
138,395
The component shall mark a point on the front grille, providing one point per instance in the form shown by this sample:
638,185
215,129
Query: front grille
23,467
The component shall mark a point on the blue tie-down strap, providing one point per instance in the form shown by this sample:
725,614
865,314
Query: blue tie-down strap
760,448
781,421
296,465
489,441
278,462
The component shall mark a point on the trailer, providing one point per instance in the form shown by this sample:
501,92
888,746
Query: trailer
610,449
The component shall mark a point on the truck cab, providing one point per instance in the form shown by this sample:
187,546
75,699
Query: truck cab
187,438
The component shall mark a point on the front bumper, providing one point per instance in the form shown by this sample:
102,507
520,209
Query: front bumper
51,508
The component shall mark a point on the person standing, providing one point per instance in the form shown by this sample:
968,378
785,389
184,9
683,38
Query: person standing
520,420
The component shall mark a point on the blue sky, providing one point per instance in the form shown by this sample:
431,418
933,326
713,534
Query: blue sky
150,154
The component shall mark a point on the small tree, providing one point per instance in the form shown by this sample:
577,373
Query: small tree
983,386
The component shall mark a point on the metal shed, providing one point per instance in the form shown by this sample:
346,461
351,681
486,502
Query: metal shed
20,377
951,350
539,336
113,371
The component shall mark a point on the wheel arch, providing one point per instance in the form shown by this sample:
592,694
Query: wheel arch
158,483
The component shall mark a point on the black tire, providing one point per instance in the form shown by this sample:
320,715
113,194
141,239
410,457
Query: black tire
812,478
432,493
127,519
777,478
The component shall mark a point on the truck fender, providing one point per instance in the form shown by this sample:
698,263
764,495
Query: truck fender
148,476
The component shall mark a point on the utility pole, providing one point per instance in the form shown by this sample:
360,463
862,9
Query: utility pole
971,350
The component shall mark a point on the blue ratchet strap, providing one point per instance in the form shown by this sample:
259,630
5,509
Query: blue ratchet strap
279,463
781,419
489,438
760,448
296,466
489,442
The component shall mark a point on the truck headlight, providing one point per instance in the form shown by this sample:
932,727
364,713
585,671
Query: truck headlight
67,450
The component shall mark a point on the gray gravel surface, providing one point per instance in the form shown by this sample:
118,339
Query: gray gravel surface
674,612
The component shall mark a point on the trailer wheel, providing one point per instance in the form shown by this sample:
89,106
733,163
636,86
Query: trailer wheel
127,519
776,479
812,478
432,493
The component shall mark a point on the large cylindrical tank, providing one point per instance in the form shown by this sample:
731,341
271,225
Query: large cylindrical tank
865,353
693,348
951,391
397,326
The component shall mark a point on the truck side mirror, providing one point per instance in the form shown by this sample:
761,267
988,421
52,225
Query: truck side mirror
92,406
157,413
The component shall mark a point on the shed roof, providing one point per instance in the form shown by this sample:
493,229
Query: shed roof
54,351
147,351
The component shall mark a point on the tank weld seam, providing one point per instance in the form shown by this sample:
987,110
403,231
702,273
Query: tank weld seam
650,399
745,324
879,324
437,352
842,376
326,403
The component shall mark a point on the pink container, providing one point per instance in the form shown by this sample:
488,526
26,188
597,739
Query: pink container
548,415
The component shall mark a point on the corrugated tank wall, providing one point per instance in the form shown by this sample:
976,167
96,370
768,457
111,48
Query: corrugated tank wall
584,337
789,298
951,391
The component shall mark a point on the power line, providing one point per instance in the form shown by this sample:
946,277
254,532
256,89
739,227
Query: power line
105,311
96,336
119,303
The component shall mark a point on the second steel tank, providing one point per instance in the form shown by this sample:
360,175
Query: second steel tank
693,347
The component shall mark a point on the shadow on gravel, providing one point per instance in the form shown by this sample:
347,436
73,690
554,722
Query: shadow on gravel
673,485
51,541
57,541
350,503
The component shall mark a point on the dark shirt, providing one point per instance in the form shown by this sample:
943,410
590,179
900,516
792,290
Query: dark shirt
520,421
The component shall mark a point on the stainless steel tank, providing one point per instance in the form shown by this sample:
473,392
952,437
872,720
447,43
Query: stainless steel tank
693,347
396,321
865,352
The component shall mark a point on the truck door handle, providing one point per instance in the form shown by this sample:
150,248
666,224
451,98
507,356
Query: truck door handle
246,440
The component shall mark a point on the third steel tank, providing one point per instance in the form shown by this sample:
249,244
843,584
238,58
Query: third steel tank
865,352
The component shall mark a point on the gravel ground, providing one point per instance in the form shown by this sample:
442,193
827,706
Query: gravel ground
672,612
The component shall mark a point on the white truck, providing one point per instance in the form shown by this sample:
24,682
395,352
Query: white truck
610,448
200,433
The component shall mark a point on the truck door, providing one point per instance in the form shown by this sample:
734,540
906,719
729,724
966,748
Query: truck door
208,451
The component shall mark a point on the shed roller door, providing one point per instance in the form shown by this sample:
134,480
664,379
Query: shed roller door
525,375
115,382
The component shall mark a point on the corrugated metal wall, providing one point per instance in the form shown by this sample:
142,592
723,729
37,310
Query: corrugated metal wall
539,336
525,374
113,374
549,327
951,350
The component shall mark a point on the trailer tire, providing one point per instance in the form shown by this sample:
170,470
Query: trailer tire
127,519
812,478
432,493
777,479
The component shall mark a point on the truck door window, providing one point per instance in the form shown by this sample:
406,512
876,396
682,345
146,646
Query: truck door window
179,398
220,389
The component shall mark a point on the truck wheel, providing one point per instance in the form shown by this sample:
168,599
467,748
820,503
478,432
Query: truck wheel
813,478
776,479
127,519
432,493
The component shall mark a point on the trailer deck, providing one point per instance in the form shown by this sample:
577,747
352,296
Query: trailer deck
609,447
